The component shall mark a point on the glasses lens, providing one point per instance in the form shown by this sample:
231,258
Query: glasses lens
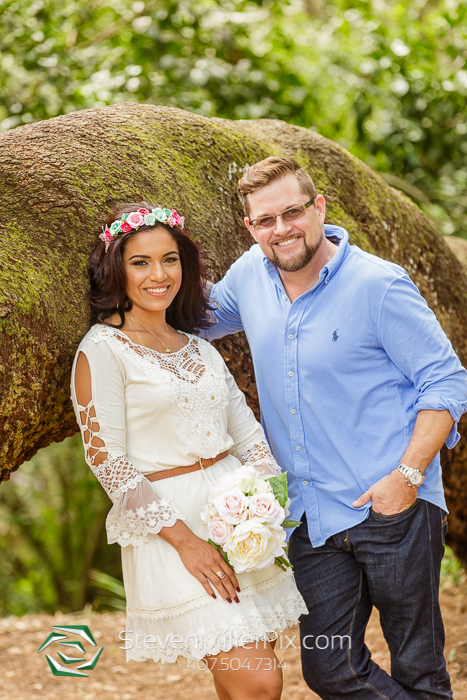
292,214
265,222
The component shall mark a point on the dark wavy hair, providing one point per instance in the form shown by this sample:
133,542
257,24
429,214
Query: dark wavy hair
188,312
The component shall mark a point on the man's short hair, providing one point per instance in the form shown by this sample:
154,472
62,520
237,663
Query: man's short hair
269,170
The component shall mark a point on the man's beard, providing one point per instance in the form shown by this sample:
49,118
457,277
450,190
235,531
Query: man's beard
302,259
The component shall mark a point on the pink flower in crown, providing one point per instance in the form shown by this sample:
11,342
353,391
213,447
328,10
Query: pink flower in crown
135,219
176,217
171,221
143,211
104,237
126,227
106,234
182,221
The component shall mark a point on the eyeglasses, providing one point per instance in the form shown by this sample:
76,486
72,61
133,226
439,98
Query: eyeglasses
289,215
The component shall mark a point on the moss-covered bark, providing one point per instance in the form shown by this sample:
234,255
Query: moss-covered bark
57,180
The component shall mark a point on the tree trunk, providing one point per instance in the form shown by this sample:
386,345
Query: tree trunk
60,177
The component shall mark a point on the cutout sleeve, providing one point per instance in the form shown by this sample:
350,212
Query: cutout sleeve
97,391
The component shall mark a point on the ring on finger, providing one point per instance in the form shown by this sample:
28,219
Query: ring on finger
220,574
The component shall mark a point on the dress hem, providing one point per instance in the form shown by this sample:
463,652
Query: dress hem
185,654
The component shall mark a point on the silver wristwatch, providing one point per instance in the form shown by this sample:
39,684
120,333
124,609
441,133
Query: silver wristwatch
413,477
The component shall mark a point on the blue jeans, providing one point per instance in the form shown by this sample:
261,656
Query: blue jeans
390,562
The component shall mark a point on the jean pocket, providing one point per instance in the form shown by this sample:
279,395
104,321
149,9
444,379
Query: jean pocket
444,525
395,515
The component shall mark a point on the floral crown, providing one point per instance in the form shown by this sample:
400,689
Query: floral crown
141,217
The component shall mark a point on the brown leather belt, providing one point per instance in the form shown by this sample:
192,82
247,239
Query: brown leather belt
176,471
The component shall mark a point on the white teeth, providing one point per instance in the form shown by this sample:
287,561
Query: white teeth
287,242
157,290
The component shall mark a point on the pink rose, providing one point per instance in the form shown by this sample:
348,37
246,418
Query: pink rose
135,219
108,234
171,221
126,227
143,211
219,530
232,506
265,508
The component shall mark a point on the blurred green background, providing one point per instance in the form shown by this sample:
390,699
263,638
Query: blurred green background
384,78
387,79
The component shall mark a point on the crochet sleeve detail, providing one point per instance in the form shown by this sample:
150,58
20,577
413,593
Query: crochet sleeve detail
138,513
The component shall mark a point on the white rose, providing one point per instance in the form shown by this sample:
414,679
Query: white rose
219,530
253,545
207,513
241,478
261,485
266,508
232,506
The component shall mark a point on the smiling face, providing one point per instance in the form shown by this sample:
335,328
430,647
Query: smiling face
290,246
153,269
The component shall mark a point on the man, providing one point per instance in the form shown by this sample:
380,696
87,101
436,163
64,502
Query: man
359,388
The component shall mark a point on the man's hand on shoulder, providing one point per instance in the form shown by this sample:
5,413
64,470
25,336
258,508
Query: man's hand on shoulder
390,495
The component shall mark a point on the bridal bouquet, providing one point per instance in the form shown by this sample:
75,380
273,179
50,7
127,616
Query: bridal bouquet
246,515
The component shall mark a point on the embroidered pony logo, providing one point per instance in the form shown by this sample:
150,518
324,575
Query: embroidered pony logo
335,336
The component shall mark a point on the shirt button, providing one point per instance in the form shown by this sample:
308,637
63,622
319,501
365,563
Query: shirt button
284,296
293,410
298,448
290,374
305,483
291,336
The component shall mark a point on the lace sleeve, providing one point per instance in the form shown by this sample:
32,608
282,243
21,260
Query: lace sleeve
259,455
250,444
138,513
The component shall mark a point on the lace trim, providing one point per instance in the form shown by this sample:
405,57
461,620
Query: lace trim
257,454
184,364
140,527
264,625
162,613
117,474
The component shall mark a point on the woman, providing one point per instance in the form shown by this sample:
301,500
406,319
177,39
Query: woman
155,403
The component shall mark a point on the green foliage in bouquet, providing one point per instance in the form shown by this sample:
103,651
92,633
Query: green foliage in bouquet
279,489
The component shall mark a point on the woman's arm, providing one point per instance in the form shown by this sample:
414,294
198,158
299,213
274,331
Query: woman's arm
138,513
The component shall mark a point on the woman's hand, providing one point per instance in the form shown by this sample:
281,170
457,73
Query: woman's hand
202,561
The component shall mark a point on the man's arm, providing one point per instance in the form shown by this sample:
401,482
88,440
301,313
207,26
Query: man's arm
392,494
415,342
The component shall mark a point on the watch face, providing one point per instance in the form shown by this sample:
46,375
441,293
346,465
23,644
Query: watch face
416,478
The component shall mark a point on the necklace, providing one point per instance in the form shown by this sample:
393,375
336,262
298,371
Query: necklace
167,349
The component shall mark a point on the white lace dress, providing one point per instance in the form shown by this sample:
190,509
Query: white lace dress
151,411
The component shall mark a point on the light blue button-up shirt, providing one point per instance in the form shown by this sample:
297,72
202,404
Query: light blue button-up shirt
341,374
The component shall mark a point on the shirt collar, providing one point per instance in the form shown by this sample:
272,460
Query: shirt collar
332,266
